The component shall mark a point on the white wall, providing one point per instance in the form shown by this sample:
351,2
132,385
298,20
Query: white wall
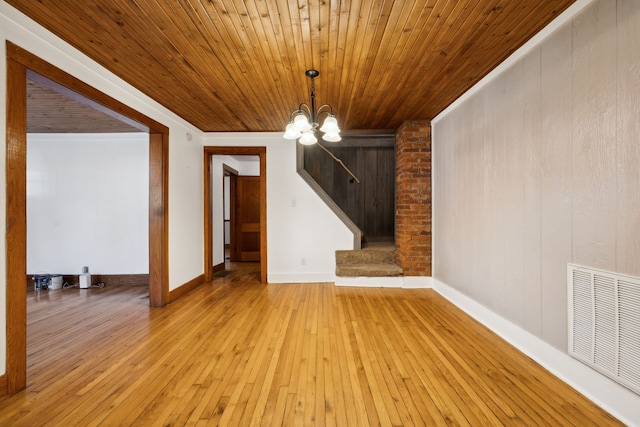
302,232
101,220
248,165
538,167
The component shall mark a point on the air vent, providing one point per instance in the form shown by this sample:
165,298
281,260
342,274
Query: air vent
604,323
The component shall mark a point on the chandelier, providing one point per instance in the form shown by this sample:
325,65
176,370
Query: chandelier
303,122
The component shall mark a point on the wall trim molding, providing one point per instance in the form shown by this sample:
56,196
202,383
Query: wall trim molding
404,282
612,397
300,278
370,282
186,288
4,391
417,282
218,267
107,279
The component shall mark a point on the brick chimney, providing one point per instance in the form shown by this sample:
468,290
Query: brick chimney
413,197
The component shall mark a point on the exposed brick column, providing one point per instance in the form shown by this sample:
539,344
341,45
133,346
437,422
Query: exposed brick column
413,197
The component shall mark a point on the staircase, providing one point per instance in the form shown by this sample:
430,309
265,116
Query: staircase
376,261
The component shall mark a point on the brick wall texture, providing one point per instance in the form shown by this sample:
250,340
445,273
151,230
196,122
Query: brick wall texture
413,197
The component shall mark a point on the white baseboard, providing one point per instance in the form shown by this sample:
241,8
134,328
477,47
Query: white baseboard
619,401
407,282
300,277
370,282
417,282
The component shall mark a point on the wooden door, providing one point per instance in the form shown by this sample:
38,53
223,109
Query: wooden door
247,219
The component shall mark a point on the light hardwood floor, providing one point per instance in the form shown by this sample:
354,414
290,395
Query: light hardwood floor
236,352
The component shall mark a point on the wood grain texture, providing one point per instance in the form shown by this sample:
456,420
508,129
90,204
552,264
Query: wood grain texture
207,160
370,203
158,217
247,217
228,65
187,287
16,224
237,352
18,62
52,108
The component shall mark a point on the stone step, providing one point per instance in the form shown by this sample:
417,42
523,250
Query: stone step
366,256
373,261
368,270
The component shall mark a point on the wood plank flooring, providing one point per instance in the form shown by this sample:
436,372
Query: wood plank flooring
240,353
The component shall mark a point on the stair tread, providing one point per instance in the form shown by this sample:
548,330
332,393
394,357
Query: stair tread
366,256
368,270
370,249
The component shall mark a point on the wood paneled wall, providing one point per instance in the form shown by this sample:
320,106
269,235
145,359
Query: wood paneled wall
369,204
540,168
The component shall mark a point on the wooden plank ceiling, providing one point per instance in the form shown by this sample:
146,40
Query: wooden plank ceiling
53,109
231,65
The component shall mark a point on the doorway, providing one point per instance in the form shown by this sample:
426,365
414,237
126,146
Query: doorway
229,182
87,189
253,230
241,199
19,61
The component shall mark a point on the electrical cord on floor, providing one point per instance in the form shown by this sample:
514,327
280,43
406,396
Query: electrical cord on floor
77,285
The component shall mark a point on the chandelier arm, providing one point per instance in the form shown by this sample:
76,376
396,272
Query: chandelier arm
320,110
325,105
293,114
339,161
304,107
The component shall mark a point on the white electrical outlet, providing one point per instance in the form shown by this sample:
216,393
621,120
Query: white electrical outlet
303,261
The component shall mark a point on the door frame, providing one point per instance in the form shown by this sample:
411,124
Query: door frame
209,152
19,61
233,177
